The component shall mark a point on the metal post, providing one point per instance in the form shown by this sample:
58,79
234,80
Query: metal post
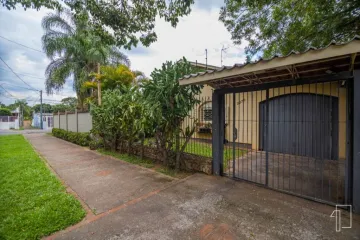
66,121
349,140
59,118
99,85
356,143
206,59
234,131
267,138
218,121
77,120
41,110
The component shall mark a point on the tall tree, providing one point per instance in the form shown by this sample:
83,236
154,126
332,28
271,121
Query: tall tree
70,101
46,108
120,22
24,108
74,51
280,26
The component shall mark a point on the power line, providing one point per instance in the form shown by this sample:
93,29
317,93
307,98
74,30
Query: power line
22,45
32,100
31,89
23,74
17,86
16,74
8,92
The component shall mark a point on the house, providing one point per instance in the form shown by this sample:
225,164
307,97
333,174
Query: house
10,122
292,122
47,119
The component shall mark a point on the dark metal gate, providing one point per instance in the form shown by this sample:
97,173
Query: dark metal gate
290,138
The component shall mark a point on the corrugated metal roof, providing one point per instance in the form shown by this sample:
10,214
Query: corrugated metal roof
237,65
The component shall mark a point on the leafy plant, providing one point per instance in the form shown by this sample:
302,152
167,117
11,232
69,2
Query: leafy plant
121,117
47,108
111,77
169,104
82,139
279,27
5,112
124,23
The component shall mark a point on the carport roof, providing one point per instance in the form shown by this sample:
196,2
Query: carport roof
314,62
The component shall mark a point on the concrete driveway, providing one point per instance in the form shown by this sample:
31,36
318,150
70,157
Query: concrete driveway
136,203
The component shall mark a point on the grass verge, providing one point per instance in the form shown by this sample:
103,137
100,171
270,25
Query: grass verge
34,203
147,163
205,149
129,158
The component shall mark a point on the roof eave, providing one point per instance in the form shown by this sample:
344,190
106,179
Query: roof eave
275,63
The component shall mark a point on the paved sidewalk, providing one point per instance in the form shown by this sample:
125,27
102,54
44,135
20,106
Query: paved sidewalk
135,203
100,181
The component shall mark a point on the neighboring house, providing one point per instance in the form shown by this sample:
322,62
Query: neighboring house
47,119
10,122
292,122
202,111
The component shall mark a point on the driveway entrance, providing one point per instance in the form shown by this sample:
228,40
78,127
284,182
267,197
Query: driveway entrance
294,137
304,176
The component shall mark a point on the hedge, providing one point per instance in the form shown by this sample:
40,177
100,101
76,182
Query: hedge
82,139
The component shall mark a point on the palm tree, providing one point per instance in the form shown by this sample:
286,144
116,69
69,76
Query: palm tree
74,51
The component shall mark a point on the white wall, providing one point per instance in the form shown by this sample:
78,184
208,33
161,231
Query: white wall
75,122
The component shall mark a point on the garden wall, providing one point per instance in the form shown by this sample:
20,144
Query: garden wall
73,121
189,162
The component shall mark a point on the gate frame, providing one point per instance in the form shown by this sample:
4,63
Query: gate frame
352,162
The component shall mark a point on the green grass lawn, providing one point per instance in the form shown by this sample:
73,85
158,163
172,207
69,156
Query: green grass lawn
33,202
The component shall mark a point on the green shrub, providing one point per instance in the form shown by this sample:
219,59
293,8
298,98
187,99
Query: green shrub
82,139
95,144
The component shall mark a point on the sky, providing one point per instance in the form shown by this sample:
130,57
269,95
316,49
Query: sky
194,33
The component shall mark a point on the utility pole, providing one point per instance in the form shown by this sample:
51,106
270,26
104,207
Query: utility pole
99,85
206,57
41,110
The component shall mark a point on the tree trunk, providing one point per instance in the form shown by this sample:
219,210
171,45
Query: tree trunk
177,149
129,146
165,157
142,146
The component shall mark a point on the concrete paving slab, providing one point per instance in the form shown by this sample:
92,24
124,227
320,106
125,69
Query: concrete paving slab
100,181
208,207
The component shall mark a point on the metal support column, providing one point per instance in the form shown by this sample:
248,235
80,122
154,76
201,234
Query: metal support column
356,143
218,122
349,141
234,131
267,138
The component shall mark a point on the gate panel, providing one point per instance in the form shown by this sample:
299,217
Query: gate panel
291,139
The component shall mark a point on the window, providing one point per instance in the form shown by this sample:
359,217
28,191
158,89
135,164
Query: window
207,112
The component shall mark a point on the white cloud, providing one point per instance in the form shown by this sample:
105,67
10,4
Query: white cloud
199,31
24,27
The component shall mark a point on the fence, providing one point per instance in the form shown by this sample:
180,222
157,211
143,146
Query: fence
8,122
290,138
75,121
199,121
